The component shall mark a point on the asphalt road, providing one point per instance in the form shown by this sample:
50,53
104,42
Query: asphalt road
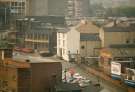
106,86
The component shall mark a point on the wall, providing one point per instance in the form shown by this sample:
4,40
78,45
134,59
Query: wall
120,52
68,42
43,75
61,44
89,48
24,80
109,38
115,38
8,78
38,7
38,41
56,7
73,42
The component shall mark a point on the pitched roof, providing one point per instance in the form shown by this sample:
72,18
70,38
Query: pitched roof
39,31
118,29
89,37
87,27
55,20
122,46
62,30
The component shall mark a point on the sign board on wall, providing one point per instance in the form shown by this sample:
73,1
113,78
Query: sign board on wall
116,68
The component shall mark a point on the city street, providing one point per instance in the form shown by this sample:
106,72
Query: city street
105,86
88,45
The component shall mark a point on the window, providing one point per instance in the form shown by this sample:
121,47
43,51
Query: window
16,3
59,42
63,35
82,47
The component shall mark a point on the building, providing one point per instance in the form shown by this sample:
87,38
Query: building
9,11
77,8
120,40
31,75
17,7
45,75
84,38
114,3
64,39
90,45
21,28
39,33
4,16
12,76
89,39
57,7
117,44
5,73
3,35
38,8
47,7
4,20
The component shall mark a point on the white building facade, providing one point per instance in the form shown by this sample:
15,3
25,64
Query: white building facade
64,49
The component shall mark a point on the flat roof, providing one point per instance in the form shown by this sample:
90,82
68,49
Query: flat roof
16,64
42,60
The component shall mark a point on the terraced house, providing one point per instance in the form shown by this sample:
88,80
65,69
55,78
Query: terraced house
82,40
118,44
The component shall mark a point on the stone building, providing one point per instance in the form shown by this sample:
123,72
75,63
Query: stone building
17,7
84,38
117,45
39,33
120,41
